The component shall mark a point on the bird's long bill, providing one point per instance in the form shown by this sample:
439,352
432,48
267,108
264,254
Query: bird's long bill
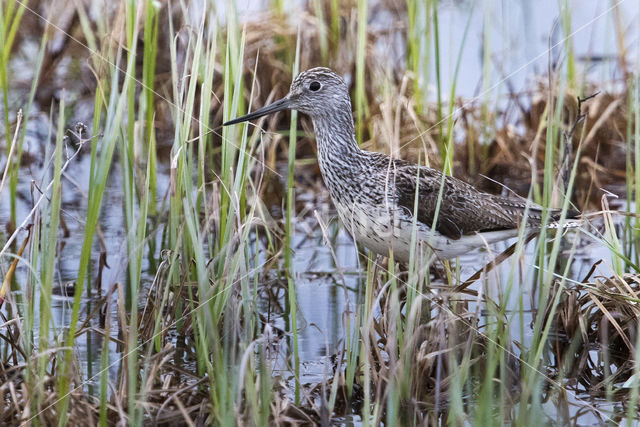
280,105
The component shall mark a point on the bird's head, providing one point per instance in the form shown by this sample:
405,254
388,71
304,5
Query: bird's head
317,92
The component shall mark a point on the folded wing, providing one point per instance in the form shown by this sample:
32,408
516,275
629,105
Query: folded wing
463,209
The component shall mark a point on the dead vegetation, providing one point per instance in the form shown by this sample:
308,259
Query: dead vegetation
595,332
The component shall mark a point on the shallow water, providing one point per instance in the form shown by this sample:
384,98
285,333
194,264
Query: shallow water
327,287
525,37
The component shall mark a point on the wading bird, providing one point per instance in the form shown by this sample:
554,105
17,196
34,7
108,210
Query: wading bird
375,194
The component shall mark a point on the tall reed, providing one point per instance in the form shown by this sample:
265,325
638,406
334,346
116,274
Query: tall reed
11,13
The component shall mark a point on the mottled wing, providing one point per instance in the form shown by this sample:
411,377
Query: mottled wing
463,209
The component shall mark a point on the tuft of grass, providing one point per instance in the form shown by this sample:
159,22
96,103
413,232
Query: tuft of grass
100,166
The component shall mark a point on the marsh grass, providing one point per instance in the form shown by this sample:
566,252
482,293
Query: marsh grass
201,254
11,14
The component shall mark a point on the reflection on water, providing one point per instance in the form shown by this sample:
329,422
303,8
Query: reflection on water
520,39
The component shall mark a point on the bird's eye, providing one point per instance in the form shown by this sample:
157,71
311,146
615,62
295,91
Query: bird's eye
314,86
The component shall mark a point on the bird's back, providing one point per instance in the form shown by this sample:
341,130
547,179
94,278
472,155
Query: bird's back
462,209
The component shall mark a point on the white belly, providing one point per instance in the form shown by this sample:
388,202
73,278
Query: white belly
382,229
